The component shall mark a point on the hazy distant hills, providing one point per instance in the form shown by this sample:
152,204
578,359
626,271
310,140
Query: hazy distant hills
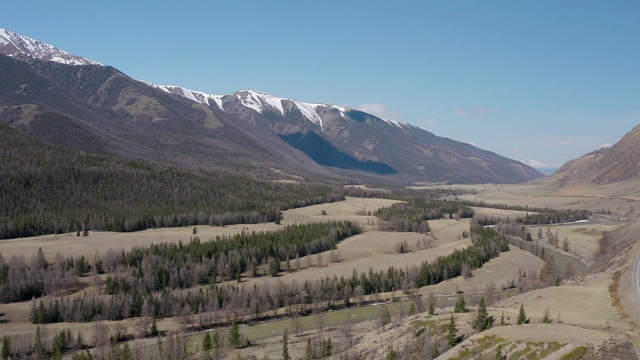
619,163
77,103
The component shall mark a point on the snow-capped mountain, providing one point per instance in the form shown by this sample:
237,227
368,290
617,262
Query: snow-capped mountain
109,111
264,104
22,47
347,138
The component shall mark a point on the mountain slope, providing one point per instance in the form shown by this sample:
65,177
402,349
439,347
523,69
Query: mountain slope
76,103
22,47
99,109
48,189
618,163
405,148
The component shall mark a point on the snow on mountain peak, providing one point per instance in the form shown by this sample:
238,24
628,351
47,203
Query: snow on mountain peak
257,101
261,102
192,95
20,47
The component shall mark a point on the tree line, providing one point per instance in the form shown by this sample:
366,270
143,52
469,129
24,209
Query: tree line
168,266
135,295
412,215
49,190
554,217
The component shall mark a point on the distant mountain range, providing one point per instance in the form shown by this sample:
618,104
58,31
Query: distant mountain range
80,104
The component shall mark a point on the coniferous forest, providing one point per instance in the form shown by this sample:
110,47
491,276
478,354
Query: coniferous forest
46,190
152,281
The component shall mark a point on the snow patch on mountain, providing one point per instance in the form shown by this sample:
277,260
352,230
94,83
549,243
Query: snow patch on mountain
261,102
20,47
192,95
257,101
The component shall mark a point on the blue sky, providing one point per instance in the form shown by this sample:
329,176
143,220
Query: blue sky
542,81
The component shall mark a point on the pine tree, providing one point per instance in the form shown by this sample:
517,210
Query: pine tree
327,347
502,322
432,309
547,319
79,341
522,316
452,332
499,355
482,321
216,343
38,346
285,346
461,305
206,342
6,348
154,328
308,355
235,339
127,354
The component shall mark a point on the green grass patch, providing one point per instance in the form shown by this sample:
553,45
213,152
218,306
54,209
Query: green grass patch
533,350
308,323
576,354
551,348
478,348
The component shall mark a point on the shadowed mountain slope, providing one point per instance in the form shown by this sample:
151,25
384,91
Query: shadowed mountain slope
80,104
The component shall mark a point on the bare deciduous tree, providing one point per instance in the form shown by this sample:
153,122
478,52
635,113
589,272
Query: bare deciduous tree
142,326
101,338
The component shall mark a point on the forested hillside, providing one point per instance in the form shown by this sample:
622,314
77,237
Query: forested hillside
46,189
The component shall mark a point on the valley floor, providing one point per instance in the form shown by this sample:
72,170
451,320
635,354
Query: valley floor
592,311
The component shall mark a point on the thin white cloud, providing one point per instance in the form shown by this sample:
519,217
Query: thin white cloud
565,143
461,112
474,111
430,121
379,110
605,145
483,111
539,164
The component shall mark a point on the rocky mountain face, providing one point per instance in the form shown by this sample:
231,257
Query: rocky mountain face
22,47
78,103
619,163
348,138
99,109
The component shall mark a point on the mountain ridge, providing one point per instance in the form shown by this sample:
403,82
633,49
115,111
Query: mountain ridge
127,117
615,164
288,116
20,46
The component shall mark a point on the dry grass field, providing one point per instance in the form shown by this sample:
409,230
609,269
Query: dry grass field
500,271
621,198
582,238
584,311
71,245
372,250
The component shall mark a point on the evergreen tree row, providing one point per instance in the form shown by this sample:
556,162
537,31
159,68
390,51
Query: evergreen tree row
412,216
46,190
169,266
218,303
554,217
